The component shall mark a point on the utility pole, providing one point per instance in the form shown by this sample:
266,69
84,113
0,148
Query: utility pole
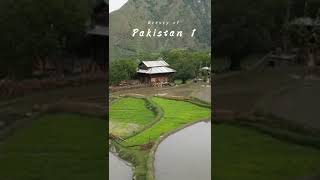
288,13
306,8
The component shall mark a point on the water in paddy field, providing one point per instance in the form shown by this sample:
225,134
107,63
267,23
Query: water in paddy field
119,169
185,155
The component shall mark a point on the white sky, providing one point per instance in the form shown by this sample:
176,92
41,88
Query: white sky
116,4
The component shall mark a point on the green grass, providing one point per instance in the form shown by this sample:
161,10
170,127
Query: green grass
176,115
178,82
60,146
128,115
243,153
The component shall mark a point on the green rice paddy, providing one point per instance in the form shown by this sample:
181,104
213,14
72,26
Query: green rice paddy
60,146
176,115
128,115
243,153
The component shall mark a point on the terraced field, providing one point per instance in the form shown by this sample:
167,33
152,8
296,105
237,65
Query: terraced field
176,115
128,115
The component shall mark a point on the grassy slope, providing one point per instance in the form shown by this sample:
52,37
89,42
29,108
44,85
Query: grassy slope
129,114
176,114
61,146
242,153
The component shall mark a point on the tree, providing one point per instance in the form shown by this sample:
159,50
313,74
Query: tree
124,69
187,62
305,34
33,30
246,27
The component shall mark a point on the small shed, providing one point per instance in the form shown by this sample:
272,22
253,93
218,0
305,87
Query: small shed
155,73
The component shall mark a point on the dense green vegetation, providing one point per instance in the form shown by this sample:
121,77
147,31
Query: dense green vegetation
176,115
250,155
121,70
187,62
60,146
128,115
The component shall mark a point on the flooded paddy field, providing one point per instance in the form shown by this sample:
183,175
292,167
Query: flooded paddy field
119,169
186,154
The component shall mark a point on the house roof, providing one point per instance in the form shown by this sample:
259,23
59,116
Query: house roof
305,21
206,68
99,30
159,63
156,70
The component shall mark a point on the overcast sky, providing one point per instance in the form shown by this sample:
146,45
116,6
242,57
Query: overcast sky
116,4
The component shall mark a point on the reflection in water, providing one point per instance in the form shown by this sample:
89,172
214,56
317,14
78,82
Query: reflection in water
118,169
185,155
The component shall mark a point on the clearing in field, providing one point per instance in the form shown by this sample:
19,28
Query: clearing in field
128,115
250,155
59,146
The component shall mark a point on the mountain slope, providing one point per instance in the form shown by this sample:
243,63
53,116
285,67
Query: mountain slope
191,14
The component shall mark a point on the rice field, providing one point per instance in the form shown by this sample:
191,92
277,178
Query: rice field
176,115
244,153
58,146
128,115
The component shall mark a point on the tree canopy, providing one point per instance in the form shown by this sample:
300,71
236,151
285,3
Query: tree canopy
124,69
31,30
251,27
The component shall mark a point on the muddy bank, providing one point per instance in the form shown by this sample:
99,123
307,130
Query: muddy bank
204,93
298,104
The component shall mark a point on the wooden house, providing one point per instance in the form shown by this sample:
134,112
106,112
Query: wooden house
98,35
155,73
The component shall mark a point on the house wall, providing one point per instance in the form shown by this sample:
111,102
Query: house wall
155,78
163,78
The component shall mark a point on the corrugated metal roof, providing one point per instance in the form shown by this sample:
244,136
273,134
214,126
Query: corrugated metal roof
206,68
160,63
305,21
156,70
99,30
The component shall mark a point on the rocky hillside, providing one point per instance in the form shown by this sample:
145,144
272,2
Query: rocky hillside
191,14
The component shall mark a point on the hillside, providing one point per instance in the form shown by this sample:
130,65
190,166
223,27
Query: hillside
191,14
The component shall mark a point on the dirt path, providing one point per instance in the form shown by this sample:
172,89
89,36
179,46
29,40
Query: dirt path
300,104
204,93
271,91
185,90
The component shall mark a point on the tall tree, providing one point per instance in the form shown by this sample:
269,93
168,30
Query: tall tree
246,27
35,30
